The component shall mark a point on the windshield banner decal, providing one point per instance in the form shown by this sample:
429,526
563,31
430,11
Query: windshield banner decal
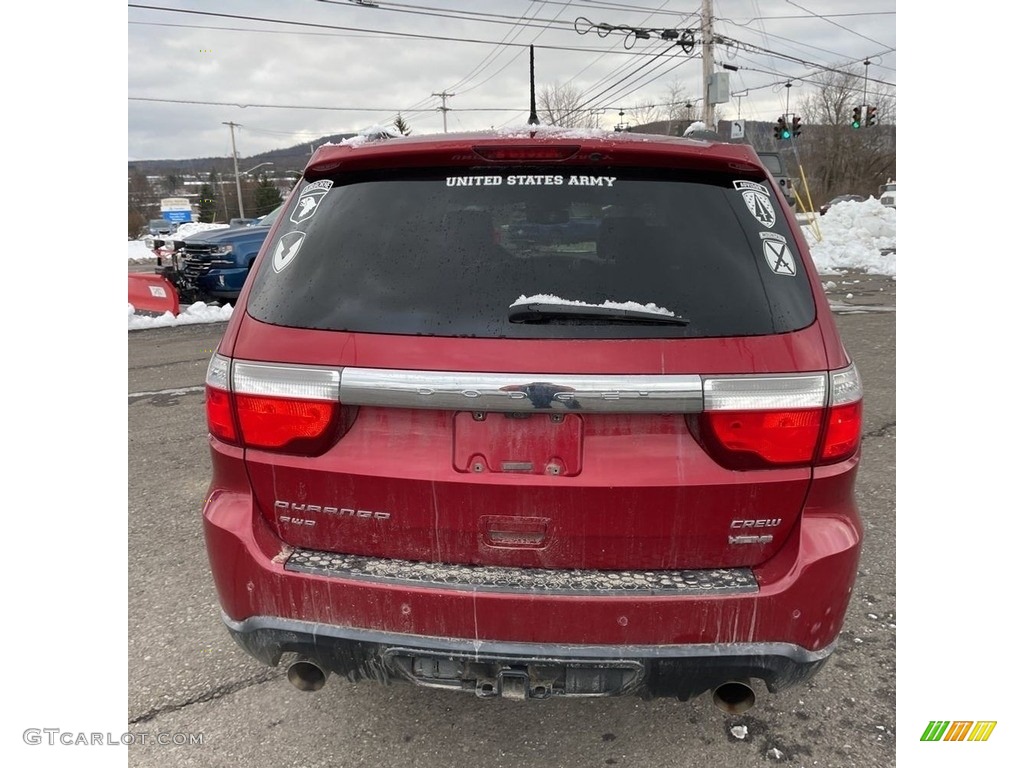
530,180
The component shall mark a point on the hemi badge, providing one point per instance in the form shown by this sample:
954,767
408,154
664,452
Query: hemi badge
750,539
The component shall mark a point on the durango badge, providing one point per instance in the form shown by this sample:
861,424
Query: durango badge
309,200
758,203
777,254
287,249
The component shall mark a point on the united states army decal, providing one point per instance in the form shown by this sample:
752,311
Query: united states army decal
309,200
777,254
287,249
758,203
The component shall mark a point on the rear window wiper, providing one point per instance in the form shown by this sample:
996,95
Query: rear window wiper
543,313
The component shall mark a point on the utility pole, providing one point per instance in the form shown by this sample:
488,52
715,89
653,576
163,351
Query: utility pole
234,156
444,107
708,60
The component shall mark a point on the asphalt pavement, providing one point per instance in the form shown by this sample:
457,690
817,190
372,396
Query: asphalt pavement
191,686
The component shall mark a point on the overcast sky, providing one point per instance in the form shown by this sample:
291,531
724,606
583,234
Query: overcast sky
216,51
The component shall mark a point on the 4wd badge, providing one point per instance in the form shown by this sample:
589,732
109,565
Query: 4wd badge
309,200
777,254
758,203
287,249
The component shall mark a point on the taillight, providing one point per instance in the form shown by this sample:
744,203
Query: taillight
843,425
219,414
288,409
286,424
756,422
532,152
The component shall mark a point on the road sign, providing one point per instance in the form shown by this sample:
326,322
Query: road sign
738,129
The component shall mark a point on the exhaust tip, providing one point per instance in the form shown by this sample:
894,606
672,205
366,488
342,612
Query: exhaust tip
734,697
307,675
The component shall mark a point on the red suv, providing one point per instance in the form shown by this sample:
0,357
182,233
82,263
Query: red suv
535,414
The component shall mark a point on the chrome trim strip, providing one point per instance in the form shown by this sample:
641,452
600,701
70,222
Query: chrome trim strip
462,391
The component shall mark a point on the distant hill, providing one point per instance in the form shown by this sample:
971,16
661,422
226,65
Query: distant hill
291,158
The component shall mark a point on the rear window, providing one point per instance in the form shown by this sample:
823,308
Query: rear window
462,252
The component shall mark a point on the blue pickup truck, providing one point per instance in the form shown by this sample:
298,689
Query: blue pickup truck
212,265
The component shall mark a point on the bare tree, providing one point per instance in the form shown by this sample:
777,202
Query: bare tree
646,111
682,110
679,104
565,106
142,202
837,158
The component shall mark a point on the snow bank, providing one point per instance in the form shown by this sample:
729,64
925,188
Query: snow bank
196,313
137,251
853,237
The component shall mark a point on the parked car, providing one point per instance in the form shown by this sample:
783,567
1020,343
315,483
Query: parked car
452,456
887,194
159,227
242,222
841,199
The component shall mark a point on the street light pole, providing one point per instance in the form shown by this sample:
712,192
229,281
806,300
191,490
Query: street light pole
234,156
255,167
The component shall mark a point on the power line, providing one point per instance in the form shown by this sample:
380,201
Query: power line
498,49
632,88
835,23
799,44
369,31
451,13
586,104
305,106
751,48
811,15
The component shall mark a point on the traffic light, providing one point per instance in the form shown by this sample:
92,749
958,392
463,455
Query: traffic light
856,118
872,116
796,126
782,129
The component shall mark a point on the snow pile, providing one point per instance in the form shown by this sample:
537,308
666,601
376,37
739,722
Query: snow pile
196,313
853,237
544,298
137,251
192,227
373,134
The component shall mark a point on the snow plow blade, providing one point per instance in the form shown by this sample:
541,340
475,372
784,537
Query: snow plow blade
150,292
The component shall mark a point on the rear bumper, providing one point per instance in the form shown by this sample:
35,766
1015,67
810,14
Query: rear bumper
525,670
383,623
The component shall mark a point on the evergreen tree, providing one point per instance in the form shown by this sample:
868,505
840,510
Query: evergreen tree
401,126
266,196
207,204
